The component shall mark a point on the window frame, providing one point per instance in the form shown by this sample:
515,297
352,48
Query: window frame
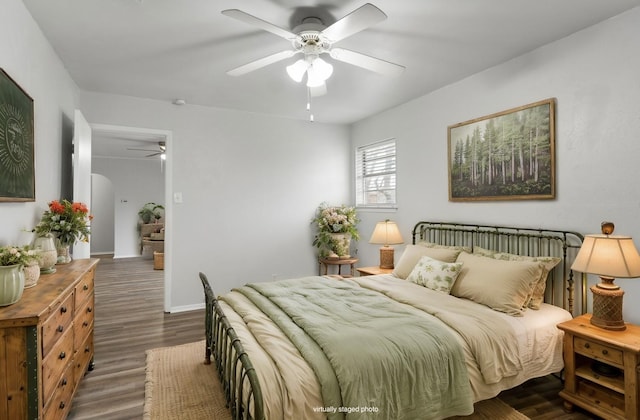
379,162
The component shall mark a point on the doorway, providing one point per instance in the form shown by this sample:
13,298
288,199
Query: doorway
139,175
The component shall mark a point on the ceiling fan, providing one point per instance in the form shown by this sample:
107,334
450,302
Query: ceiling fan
313,38
160,151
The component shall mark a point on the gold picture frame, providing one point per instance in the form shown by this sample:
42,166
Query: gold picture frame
17,165
509,155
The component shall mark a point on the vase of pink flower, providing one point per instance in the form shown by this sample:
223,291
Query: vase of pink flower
336,227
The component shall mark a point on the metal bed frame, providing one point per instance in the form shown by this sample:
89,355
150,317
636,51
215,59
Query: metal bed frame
239,379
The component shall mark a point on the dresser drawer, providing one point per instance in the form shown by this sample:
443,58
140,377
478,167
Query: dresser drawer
60,403
83,322
84,354
57,324
56,362
84,288
598,351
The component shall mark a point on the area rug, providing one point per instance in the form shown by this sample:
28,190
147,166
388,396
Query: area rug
180,386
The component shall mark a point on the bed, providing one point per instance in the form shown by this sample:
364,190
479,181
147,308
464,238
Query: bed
469,311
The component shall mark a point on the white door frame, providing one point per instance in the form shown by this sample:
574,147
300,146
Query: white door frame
168,187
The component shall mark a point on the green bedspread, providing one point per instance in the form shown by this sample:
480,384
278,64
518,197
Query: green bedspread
374,357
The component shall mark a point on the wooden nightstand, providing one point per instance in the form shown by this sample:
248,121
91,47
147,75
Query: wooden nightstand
609,397
372,271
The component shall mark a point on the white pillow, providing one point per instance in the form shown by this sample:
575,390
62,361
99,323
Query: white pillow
435,274
505,286
413,253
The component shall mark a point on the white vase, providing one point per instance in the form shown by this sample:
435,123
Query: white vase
31,275
340,245
11,284
48,253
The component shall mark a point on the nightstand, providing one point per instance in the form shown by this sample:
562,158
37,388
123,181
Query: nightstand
611,390
372,271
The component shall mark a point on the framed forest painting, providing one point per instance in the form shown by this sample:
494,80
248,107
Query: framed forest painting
17,167
508,155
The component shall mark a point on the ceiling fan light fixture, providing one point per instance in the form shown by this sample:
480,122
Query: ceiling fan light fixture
296,70
318,72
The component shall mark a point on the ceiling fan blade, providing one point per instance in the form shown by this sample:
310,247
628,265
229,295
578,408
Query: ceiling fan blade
141,150
262,24
318,90
356,21
154,154
377,65
262,62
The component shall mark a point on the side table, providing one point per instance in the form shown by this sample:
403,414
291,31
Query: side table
324,263
372,271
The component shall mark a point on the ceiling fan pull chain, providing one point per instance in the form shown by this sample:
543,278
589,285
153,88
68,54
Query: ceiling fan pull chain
309,104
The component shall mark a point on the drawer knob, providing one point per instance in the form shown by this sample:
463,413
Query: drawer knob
87,349
60,328
63,309
85,324
85,287
586,345
605,352
61,405
63,382
62,355
89,309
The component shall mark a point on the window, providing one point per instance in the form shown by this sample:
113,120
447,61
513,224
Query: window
376,174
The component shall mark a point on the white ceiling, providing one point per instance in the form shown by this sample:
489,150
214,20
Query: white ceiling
168,49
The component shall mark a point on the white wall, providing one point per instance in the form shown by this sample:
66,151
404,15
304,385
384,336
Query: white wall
29,59
250,186
135,183
594,74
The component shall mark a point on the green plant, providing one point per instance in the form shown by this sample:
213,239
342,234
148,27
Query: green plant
22,255
67,221
334,219
151,212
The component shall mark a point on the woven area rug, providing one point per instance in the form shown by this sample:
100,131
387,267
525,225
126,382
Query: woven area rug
180,386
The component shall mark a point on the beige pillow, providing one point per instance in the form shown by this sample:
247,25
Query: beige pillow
435,274
501,285
413,253
537,295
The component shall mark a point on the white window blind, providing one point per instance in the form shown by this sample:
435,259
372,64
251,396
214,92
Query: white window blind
376,174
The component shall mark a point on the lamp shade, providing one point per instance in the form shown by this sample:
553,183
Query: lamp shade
386,233
609,256
296,70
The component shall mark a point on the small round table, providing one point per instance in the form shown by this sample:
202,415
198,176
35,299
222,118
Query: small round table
326,262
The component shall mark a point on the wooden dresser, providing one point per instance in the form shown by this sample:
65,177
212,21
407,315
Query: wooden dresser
46,343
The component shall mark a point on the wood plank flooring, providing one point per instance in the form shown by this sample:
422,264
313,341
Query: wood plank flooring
129,320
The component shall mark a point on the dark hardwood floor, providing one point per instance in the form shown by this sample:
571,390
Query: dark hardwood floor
129,320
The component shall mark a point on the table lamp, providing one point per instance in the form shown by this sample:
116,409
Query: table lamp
386,233
608,256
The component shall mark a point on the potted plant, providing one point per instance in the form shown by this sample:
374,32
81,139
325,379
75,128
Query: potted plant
336,226
151,212
68,222
13,259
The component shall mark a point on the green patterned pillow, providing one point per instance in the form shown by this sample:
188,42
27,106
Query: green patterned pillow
435,274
